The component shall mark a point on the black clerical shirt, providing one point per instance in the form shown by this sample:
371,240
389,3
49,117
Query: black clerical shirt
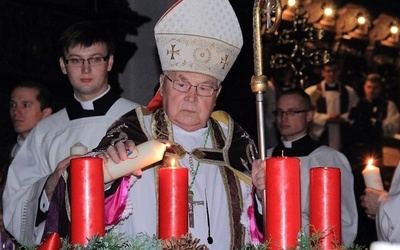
301,147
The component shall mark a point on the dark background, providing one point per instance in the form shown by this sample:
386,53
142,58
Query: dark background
29,30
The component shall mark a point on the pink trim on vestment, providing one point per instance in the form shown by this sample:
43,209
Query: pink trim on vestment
255,234
115,204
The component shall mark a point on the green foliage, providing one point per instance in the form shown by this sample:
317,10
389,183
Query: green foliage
304,241
142,241
113,241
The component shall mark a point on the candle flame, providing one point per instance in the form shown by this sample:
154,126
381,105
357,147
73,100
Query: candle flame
370,166
173,162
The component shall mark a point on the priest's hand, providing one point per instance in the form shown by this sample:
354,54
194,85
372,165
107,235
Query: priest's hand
53,179
370,201
258,176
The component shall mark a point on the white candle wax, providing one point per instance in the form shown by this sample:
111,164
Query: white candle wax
372,176
145,154
78,149
382,245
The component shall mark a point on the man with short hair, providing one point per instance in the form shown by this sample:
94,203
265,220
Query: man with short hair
196,54
374,118
294,114
30,102
86,56
332,101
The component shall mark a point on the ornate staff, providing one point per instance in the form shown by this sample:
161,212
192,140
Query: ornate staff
262,24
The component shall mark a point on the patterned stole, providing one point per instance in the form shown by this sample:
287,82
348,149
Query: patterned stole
162,130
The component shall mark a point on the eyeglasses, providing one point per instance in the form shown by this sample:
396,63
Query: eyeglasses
289,112
184,87
93,61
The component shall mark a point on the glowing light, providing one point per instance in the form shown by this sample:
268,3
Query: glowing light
172,162
394,29
291,3
370,161
361,20
328,11
372,176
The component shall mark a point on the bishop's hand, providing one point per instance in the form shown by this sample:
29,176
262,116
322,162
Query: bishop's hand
119,153
258,176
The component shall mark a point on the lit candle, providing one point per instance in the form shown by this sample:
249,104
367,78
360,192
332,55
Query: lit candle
372,176
173,202
78,149
325,206
144,155
283,202
87,199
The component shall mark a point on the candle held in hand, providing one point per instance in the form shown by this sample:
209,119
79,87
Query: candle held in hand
144,155
372,176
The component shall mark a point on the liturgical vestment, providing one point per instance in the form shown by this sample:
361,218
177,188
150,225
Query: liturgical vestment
210,178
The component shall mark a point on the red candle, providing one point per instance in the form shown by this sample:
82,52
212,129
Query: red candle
53,242
283,202
325,202
87,199
173,202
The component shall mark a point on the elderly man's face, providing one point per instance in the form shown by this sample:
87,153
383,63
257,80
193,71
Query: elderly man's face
189,111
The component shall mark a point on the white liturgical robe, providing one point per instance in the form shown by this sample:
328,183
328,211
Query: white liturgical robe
48,144
333,106
388,216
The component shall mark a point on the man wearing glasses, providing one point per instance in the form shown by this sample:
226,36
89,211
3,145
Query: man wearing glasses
195,58
293,115
86,56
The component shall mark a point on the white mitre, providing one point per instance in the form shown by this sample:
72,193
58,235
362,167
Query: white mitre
201,36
